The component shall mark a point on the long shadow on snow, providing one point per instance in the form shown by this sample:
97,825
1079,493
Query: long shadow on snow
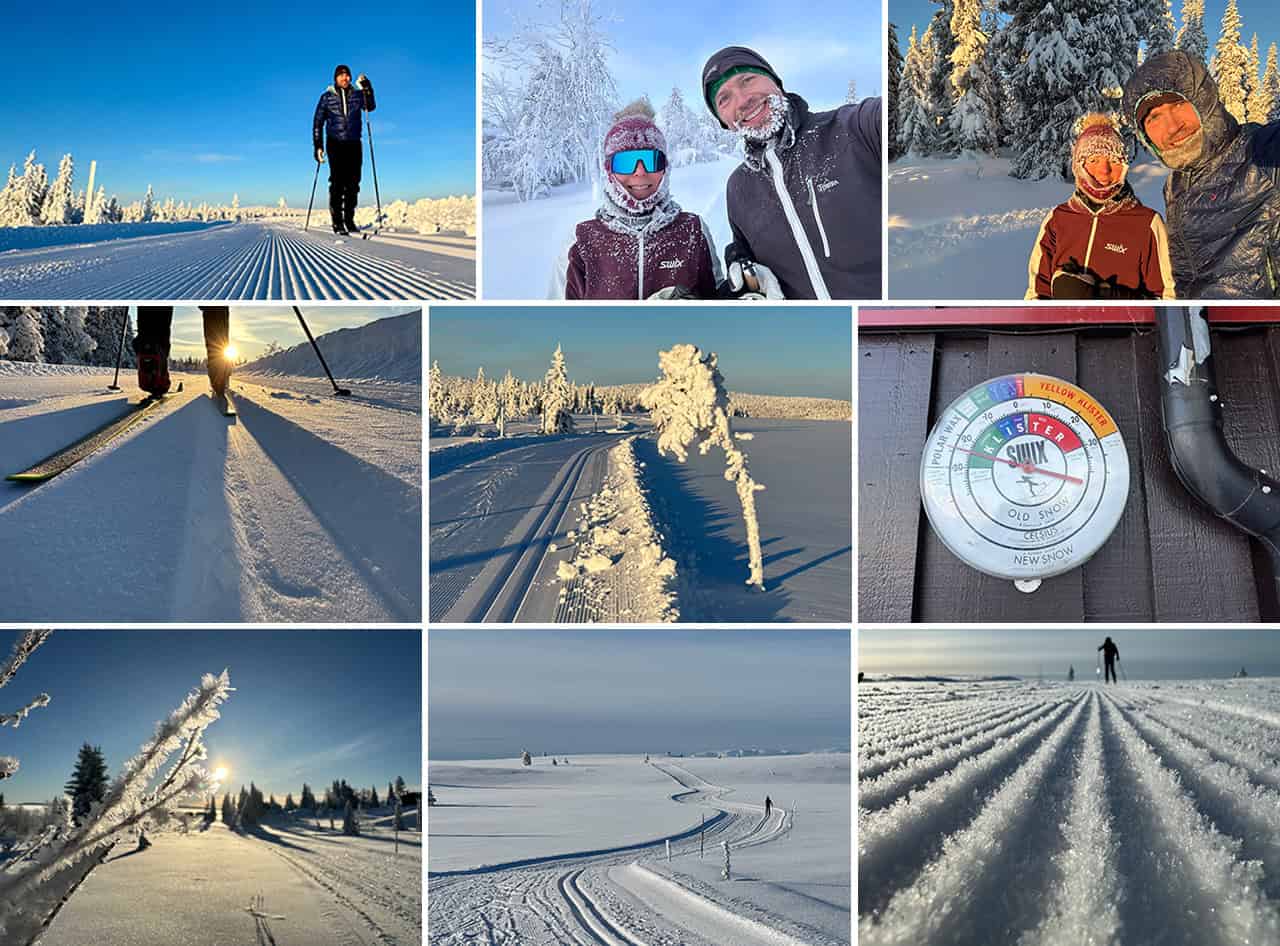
139,532
707,541
373,516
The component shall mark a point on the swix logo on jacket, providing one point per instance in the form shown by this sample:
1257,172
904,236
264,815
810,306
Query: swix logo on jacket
807,205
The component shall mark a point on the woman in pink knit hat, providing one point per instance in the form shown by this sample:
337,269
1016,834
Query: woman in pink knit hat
1103,243
639,244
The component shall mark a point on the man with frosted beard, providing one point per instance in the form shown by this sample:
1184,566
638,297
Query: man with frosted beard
804,206
1222,201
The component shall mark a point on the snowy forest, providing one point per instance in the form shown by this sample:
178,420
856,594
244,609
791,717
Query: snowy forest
461,403
1013,76
65,335
550,96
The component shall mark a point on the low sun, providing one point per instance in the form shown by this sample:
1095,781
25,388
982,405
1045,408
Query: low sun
231,351
220,774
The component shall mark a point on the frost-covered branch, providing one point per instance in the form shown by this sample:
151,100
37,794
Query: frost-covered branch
25,647
15,718
689,402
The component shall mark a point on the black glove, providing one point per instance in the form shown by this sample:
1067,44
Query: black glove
1073,285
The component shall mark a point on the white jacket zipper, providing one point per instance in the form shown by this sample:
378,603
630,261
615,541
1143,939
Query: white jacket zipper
344,103
797,229
813,201
1088,250
640,265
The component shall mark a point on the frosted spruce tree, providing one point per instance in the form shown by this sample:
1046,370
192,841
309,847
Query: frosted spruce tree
1192,38
1161,28
689,404
1231,64
557,402
59,205
437,395
1076,62
894,92
26,337
33,189
917,134
1258,106
940,93
484,405
1271,86
525,758
973,121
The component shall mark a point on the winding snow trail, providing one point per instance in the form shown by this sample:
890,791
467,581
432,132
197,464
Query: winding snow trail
302,509
244,261
602,898
1047,815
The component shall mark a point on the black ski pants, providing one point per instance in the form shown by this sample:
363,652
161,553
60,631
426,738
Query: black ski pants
155,324
345,161
1109,673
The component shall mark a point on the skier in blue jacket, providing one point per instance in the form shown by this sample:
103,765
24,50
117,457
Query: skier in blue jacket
336,129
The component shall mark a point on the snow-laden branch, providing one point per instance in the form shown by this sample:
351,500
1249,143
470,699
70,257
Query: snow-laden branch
689,402
15,718
25,647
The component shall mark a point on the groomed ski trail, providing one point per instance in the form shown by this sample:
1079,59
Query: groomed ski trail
276,514
581,900
1096,815
246,261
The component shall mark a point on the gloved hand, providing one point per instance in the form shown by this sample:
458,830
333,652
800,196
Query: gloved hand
319,155
673,292
748,279
1073,285
361,81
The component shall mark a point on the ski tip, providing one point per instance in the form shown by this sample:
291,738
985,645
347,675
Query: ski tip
27,477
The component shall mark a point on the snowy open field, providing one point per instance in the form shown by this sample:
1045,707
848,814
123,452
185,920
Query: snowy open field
274,260
287,884
524,241
790,881
502,514
305,507
1011,812
964,229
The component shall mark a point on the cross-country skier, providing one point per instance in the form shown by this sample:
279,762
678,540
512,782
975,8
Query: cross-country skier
1102,243
1071,674
1110,654
639,244
1222,199
804,206
768,806
336,130
151,345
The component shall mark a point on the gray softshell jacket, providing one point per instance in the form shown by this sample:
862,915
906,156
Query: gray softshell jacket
1223,211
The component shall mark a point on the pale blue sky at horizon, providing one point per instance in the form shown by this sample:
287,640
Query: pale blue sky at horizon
815,56
203,101
253,326
1147,654
761,349
494,693
309,705
1257,16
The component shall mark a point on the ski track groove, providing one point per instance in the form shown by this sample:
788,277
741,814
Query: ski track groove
304,265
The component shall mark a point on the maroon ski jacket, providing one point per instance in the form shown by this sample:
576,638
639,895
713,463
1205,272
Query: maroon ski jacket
614,262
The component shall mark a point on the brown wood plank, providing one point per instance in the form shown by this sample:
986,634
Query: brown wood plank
1247,379
895,375
1117,580
1201,568
949,590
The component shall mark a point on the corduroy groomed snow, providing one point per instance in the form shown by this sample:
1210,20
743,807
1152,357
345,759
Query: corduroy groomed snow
729,60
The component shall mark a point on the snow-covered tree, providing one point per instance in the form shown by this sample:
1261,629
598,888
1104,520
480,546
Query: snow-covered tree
917,131
307,798
525,758
1231,63
689,403
851,96
1258,105
894,93
88,783
350,823
67,340
558,400
1161,29
940,93
682,131
1271,86
436,394
1192,38
484,407
26,337
973,121
148,210
59,204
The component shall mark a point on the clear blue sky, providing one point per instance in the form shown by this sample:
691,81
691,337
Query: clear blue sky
1146,654
309,705
762,349
493,693
665,43
253,326
1257,16
206,100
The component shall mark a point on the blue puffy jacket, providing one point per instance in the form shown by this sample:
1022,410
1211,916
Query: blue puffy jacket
338,113
1223,210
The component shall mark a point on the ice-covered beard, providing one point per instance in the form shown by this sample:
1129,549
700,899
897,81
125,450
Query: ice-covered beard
770,129
1184,154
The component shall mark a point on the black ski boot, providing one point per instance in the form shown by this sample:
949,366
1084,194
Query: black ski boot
151,346
217,337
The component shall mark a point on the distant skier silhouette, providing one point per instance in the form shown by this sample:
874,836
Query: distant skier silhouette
768,806
1071,674
1110,654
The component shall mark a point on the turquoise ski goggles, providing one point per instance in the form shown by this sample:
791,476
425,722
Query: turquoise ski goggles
626,162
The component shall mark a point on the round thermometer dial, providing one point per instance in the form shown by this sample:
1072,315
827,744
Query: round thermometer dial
1024,476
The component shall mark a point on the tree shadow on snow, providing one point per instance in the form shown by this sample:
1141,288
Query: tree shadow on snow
707,539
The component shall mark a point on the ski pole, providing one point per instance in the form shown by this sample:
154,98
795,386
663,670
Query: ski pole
377,224
312,201
115,385
340,392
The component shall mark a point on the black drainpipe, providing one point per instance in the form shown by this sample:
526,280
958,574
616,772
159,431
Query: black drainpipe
1249,499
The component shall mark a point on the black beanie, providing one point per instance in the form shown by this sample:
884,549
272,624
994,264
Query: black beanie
339,69
727,60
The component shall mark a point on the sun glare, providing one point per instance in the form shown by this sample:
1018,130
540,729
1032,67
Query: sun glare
220,774
231,351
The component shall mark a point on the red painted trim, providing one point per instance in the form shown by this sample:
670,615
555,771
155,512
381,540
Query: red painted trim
994,316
